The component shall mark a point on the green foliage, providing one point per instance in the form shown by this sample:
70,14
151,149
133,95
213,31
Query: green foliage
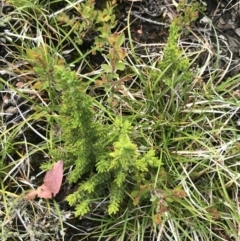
98,23
105,158
93,22
21,3
43,61
190,123
107,161
80,133
188,12
115,56
174,64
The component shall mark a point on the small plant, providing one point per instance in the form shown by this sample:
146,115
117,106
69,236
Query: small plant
115,56
94,25
188,13
110,77
43,61
175,66
105,158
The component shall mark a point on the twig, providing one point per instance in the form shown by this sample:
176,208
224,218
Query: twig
135,14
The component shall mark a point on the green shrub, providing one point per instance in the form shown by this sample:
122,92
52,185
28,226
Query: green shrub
105,158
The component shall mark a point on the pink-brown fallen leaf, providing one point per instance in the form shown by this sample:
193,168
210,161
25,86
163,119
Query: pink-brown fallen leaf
31,195
44,192
53,178
51,183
